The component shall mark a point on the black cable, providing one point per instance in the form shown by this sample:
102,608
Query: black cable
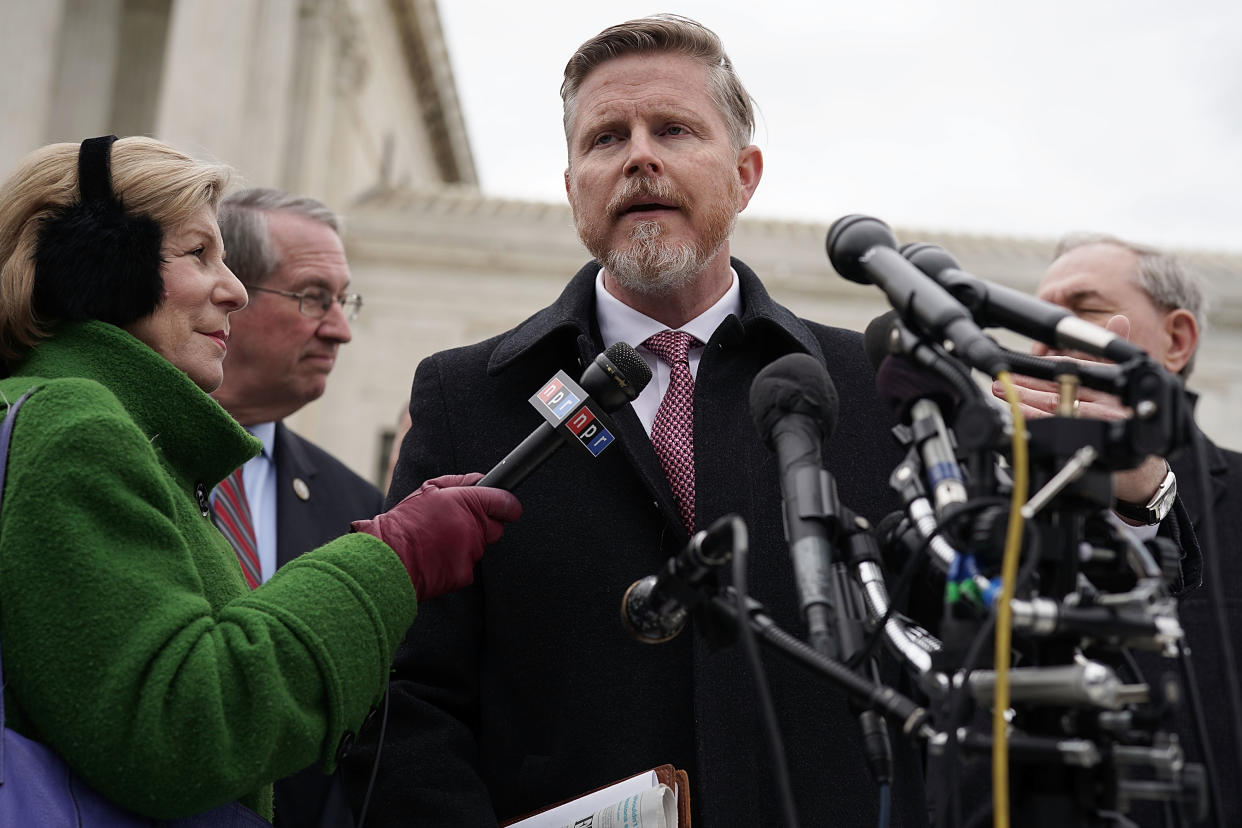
955,712
767,710
906,579
900,590
1100,376
1138,676
379,747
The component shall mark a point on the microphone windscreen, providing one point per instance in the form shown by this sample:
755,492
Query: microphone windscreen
616,376
630,364
929,258
849,239
901,384
877,337
793,384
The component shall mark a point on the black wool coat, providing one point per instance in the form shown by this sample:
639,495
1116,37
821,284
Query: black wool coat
1218,489
525,689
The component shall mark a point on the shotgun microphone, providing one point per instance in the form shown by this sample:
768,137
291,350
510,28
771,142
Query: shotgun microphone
994,305
864,250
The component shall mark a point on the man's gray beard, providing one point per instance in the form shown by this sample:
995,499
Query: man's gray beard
655,267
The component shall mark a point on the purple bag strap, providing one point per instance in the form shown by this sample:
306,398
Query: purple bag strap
6,433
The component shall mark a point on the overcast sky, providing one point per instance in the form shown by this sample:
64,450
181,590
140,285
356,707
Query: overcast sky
1018,118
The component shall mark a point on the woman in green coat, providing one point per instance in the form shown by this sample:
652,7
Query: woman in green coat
131,644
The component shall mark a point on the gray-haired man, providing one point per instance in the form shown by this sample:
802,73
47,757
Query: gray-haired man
287,251
1150,298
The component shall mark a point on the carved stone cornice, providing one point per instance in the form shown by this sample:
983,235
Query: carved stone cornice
427,60
459,223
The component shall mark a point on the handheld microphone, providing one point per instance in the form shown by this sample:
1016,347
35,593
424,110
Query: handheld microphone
794,406
654,608
864,250
996,305
575,412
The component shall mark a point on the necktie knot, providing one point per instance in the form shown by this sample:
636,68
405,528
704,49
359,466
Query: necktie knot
671,346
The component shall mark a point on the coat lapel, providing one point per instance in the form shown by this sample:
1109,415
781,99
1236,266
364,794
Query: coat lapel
295,494
573,315
1190,484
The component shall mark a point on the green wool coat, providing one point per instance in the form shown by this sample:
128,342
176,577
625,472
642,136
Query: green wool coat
131,645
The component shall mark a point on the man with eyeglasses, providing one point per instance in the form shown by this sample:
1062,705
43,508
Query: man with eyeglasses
287,251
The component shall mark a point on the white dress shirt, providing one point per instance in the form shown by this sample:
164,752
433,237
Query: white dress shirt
618,322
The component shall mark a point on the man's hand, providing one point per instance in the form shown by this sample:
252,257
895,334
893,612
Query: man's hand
1040,398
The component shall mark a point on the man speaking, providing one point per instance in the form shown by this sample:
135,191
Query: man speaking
526,689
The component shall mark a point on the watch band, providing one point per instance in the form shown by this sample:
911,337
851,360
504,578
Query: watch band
1156,509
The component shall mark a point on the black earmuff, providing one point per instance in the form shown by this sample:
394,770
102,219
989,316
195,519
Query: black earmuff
94,260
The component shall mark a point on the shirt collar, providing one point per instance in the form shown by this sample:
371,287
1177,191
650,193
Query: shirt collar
618,322
266,432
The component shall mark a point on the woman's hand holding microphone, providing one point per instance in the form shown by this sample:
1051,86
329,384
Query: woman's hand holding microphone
440,530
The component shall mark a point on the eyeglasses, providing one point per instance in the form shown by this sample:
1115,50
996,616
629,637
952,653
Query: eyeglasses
316,302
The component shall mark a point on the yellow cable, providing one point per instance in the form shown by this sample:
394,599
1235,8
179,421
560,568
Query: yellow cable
1004,610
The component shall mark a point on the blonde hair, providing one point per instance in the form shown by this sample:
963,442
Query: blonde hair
148,177
665,34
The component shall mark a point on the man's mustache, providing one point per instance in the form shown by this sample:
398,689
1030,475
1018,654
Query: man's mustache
657,189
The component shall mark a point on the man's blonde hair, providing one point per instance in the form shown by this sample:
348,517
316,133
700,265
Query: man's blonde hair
667,34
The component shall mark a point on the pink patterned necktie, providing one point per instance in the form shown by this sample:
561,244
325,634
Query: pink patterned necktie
672,433
231,513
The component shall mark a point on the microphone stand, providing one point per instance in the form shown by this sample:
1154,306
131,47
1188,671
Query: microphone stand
718,617
837,627
726,618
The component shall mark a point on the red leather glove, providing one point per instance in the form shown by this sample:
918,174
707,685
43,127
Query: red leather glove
440,530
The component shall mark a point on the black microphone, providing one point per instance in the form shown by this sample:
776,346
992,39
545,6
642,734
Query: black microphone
887,336
907,370
794,406
654,609
864,250
996,305
575,412
919,398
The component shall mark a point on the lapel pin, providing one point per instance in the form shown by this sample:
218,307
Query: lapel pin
301,489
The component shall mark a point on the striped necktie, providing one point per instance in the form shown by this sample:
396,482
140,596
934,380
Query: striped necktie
231,513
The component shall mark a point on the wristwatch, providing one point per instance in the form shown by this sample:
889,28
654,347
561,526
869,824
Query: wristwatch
1157,508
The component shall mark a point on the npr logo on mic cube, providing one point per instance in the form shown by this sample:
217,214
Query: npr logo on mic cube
558,398
586,426
565,405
